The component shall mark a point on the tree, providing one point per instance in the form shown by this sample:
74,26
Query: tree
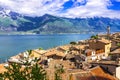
73,43
17,72
118,44
40,48
94,36
29,52
58,71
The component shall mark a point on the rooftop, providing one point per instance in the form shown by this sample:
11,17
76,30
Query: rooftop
99,74
95,73
105,41
106,62
54,52
39,51
116,51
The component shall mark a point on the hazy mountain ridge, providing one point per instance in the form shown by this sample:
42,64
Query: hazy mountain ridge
12,21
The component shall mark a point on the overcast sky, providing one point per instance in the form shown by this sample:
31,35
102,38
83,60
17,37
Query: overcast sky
65,8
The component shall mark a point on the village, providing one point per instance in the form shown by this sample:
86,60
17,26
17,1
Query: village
97,58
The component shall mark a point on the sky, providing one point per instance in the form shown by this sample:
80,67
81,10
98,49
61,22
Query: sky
65,8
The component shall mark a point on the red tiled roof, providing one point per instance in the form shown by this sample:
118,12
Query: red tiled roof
93,74
84,76
104,41
116,51
100,74
54,52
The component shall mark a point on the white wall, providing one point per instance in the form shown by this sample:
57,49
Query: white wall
118,72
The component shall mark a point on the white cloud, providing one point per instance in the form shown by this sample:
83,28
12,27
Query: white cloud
93,8
33,7
54,7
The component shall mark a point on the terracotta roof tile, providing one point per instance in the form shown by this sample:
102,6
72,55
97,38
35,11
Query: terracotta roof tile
104,41
54,52
116,51
93,74
100,74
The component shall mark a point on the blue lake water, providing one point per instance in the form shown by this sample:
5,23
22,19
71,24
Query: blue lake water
11,45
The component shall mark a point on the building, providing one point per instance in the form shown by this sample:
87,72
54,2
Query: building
108,32
92,55
111,67
96,73
100,45
36,53
54,54
115,54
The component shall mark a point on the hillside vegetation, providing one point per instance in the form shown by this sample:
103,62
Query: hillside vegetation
52,24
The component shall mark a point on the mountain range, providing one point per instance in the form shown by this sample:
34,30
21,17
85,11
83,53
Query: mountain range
14,22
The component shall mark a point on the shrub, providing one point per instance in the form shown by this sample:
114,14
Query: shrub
73,43
118,44
17,72
94,36
40,48
58,71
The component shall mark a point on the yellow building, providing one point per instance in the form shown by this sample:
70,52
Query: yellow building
37,53
100,44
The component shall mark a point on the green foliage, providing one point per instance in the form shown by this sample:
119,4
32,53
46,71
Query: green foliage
6,21
118,44
38,73
52,24
73,43
29,51
17,72
40,48
94,36
58,71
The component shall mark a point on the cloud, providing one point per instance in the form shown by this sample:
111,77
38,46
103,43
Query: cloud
33,7
93,8
55,7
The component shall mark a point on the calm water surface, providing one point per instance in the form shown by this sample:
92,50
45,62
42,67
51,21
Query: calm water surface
11,45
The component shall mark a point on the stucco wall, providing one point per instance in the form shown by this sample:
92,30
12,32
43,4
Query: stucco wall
118,72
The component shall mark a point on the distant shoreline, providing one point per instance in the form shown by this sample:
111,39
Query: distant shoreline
13,43
27,33
46,33
38,35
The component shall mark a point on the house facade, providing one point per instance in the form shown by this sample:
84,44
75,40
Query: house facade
93,55
100,44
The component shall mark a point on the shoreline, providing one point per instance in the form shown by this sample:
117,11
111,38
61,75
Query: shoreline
79,55
29,33
47,50
2,62
24,42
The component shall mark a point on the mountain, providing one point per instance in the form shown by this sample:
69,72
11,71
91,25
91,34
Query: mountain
11,21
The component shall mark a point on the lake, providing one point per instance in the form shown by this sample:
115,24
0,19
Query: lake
11,45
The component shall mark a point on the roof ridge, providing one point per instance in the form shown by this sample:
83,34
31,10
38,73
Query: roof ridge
95,67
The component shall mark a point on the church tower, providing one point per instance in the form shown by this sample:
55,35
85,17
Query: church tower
108,32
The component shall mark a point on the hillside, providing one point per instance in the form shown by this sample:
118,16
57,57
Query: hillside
10,22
